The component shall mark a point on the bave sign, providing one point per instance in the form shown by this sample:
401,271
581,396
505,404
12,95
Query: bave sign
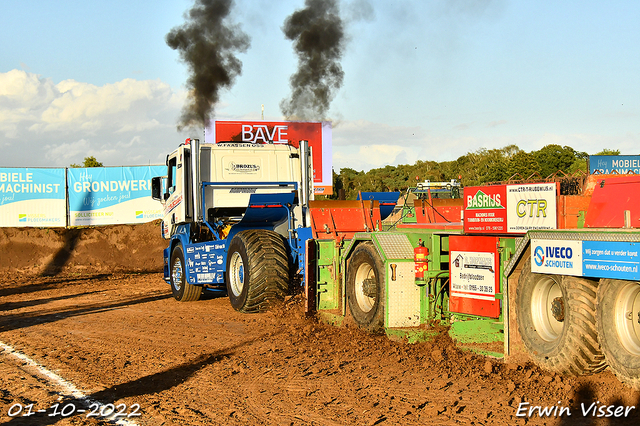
510,209
318,134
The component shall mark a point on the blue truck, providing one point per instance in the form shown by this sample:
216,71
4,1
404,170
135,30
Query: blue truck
236,217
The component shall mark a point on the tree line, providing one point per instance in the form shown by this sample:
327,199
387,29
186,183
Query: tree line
474,168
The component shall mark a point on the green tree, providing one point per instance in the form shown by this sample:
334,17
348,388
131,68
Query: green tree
553,158
88,162
351,182
483,165
609,152
522,166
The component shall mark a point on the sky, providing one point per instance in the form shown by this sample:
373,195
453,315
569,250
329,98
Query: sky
423,80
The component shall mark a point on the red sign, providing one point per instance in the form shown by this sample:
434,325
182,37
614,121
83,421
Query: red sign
485,209
474,275
318,134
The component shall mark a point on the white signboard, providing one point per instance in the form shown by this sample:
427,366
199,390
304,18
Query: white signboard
531,206
473,275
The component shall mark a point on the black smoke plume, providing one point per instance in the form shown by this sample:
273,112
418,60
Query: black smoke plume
317,32
207,43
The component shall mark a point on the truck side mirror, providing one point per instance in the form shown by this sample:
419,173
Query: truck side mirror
156,188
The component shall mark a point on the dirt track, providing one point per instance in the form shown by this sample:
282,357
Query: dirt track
83,305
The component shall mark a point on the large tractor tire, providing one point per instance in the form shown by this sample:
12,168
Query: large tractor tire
618,322
181,289
257,274
366,288
556,320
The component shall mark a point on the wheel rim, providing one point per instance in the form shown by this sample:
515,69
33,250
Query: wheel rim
364,272
627,317
236,274
176,274
547,309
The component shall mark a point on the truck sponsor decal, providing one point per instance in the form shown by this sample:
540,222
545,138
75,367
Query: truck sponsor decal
611,259
175,203
556,257
260,133
597,259
205,262
244,168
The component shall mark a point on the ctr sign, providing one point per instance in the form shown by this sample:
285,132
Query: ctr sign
318,134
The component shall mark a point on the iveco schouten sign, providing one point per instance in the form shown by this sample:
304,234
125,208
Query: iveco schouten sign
556,257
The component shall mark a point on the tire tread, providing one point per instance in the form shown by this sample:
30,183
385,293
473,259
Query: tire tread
268,269
580,353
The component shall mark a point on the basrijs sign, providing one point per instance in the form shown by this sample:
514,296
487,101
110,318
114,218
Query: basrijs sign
484,210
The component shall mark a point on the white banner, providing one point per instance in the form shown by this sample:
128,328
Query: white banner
32,197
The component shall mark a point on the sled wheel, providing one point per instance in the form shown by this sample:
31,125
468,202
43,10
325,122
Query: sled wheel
556,320
366,288
618,322
182,290
257,273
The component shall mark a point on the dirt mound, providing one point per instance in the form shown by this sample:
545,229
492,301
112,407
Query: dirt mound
122,248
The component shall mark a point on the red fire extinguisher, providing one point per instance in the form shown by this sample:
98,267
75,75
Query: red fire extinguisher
420,254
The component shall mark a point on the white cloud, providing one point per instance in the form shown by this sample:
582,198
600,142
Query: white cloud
94,107
133,122
368,157
20,88
47,124
67,151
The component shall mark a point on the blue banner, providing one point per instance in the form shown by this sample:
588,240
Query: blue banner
108,195
21,184
610,259
609,164
32,197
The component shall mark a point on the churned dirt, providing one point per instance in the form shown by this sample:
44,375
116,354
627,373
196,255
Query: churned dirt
91,306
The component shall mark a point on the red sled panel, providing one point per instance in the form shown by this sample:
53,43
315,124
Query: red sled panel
611,197
474,275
